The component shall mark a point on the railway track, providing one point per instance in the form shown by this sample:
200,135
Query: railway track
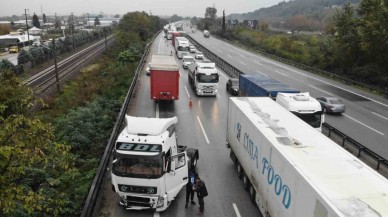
46,78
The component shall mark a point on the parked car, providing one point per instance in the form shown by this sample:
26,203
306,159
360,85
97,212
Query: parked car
187,60
14,49
148,69
331,105
232,86
3,49
198,55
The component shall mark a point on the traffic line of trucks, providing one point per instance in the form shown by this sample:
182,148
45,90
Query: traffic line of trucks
149,168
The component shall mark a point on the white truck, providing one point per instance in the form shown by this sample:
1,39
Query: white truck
182,47
304,106
149,168
203,78
292,170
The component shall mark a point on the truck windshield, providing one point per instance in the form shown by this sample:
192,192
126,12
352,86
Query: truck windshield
203,78
180,48
138,166
313,119
188,60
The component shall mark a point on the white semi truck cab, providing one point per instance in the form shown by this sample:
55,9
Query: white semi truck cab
203,78
149,168
304,106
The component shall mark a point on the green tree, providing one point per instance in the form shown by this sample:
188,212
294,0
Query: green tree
35,21
373,28
211,13
346,38
57,23
24,56
5,64
223,22
44,18
96,21
34,169
139,23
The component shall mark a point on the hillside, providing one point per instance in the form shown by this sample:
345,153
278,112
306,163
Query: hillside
316,10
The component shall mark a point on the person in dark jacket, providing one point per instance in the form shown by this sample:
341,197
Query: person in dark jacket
201,193
190,187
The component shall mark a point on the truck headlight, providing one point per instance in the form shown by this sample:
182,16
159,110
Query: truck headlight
160,202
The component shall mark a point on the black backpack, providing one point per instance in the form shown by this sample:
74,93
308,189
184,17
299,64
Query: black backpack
203,190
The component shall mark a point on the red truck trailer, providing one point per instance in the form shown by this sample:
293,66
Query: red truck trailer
164,78
174,35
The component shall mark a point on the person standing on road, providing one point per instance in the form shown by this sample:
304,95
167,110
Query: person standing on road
201,193
190,187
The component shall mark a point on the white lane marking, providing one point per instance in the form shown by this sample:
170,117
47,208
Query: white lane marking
230,56
380,115
364,124
259,63
236,210
281,73
218,94
261,73
157,110
243,63
187,91
317,79
203,130
156,214
321,90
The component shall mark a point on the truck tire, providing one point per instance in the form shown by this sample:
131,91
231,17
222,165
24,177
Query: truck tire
245,180
233,157
239,170
194,156
252,193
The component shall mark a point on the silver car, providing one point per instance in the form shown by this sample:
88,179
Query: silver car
199,55
331,105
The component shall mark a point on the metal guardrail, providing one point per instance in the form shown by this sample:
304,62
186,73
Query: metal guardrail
93,201
310,69
368,156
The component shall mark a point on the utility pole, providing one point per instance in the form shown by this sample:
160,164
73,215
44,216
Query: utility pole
106,44
28,34
88,21
72,30
55,63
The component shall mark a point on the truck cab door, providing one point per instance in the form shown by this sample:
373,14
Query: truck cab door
177,177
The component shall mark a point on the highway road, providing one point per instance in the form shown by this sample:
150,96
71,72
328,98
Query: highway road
203,127
366,117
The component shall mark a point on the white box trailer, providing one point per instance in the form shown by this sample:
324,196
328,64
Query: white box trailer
292,170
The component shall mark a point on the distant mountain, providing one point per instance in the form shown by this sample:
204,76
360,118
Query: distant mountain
317,10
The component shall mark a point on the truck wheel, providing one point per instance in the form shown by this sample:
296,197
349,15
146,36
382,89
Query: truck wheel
245,181
233,157
252,194
239,170
194,162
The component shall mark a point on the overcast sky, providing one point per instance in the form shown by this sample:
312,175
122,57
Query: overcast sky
156,7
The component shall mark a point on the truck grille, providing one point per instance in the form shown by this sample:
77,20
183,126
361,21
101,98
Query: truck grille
138,189
139,201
